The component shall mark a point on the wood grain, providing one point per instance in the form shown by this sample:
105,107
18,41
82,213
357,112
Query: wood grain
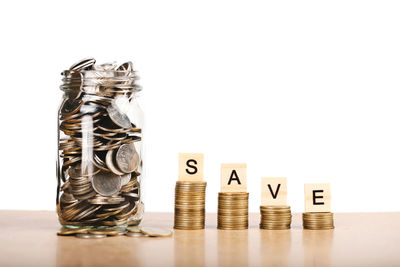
28,238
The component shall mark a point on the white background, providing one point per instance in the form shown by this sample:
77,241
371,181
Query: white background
303,89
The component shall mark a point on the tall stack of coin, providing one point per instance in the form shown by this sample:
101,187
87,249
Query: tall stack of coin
233,210
190,199
318,220
275,217
99,159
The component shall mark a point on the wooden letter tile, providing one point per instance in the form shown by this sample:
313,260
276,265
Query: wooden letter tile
274,191
317,197
233,177
191,167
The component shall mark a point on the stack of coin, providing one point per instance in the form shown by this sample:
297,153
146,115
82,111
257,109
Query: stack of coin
318,220
99,159
190,199
233,210
275,217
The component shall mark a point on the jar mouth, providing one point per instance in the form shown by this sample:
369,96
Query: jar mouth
99,81
120,72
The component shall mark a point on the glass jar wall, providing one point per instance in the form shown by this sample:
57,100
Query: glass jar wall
99,157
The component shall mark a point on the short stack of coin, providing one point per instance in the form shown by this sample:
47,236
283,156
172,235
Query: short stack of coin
233,210
275,217
318,220
190,199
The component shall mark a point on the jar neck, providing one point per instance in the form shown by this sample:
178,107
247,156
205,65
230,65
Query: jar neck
101,83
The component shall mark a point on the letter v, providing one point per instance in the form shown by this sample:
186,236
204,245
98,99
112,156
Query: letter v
274,195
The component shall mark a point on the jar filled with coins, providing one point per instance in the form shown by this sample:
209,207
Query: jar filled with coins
99,157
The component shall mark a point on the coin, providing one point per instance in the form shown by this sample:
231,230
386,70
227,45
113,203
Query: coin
71,106
127,66
110,232
127,158
106,184
110,163
134,234
83,64
69,231
156,232
102,200
90,236
125,178
119,118
133,229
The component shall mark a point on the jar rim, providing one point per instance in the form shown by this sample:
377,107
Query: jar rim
91,81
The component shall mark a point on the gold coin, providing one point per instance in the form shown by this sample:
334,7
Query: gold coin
70,231
156,232
111,232
133,229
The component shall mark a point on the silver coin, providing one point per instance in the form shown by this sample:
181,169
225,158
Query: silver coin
134,234
110,163
106,66
83,64
106,183
122,232
127,158
132,195
119,118
139,213
125,179
89,236
127,66
71,106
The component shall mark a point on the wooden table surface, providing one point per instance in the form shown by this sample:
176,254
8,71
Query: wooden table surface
28,238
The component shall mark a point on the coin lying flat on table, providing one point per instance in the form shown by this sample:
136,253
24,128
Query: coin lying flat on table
90,236
70,231
134,234
109,232
133,229
155,232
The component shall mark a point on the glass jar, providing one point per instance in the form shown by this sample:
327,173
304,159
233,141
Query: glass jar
99,157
